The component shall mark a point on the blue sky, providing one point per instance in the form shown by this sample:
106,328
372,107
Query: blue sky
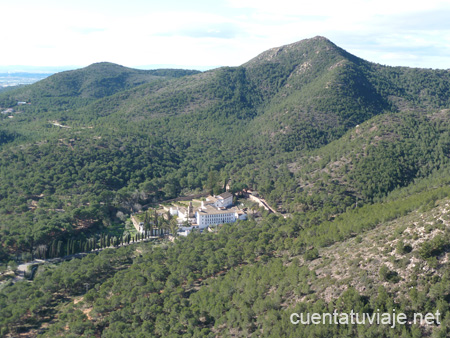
207,34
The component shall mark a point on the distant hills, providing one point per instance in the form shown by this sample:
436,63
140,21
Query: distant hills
299,96
92,82
99,80
305,80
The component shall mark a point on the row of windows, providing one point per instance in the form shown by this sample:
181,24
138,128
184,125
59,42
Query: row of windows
218,215
209,219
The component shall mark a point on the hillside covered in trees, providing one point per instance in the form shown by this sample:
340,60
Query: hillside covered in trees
342,147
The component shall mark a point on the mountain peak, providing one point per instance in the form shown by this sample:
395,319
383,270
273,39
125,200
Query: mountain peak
314,40
104,64
296,50
319,38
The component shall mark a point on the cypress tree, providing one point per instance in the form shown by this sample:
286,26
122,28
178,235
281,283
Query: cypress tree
59,248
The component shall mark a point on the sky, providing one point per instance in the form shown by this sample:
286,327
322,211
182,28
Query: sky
67,34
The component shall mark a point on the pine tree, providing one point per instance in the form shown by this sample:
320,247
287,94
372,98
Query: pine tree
156,219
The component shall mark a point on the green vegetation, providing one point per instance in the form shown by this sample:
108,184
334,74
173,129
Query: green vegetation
241,279
343,147
433,247
76,88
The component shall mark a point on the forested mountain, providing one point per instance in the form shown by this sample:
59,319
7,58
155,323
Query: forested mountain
78,87
354,154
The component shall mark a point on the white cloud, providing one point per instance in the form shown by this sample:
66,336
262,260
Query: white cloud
337,8
50,33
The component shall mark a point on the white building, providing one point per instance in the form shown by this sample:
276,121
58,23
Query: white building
211,216
224,200
215,210
218,210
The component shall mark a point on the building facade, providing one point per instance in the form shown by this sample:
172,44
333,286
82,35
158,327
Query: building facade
218,210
